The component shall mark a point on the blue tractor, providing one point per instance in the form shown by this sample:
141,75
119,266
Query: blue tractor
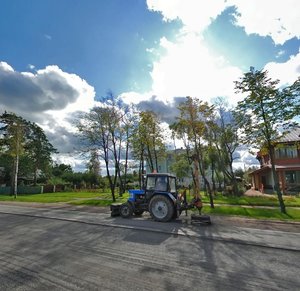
159,197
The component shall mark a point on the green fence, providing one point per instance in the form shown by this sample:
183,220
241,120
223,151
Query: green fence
5,190
22,190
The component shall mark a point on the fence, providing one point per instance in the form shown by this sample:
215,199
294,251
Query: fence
33,189
22,190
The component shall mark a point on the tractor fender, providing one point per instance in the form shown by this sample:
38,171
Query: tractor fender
173,199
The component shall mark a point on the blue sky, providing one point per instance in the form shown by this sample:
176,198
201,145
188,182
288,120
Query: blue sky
104,42
60,56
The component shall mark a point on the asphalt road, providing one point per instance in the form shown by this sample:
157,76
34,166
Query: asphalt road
74,249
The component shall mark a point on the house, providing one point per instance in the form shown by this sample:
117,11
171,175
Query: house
287,165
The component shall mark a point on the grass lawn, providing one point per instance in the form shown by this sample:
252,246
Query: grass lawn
259,213
56,197
254,201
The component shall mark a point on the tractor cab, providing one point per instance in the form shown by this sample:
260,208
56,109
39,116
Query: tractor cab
160,184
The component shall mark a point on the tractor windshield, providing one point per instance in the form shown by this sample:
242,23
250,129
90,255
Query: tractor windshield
161,184
150,183
172,184
157,183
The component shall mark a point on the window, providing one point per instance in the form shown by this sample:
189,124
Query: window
289,152
150,183
172,185
161,184
292,177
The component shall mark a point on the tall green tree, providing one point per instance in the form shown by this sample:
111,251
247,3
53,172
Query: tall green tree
93,165
27,144
39,150
265,109
120,128
193,124
129,123
226,140
95,129
148,140
13,137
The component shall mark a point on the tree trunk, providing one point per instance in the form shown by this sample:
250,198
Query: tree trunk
35,176
126,164
276,181
211,199
213,177
233,179
111,183
15,180
207,185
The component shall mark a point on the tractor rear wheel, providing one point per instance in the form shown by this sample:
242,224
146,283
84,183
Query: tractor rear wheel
126,210
161,208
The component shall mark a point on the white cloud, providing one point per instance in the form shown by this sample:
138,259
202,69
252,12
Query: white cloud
49,97
134,97
31,67
195,15
47,36
187,66
189,69
287,72
85,93
280,53
5,67
46,90
278,19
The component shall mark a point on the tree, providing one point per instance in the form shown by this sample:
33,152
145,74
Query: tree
181,166
27,144
193,125
147,141
118,119
266,109
58,170
13,139
94,131
39,150
226,141
93,165
129,124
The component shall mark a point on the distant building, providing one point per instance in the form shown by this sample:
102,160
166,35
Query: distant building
164,166
287,165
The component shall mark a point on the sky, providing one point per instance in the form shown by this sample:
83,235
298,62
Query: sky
59,57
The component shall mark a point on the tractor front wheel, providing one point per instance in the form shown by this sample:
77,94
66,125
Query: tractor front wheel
161,208
126,210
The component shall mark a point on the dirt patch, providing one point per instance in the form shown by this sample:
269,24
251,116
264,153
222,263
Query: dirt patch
252,192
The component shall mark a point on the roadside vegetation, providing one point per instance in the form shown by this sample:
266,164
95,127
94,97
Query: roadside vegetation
258,213
58,197
254,201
